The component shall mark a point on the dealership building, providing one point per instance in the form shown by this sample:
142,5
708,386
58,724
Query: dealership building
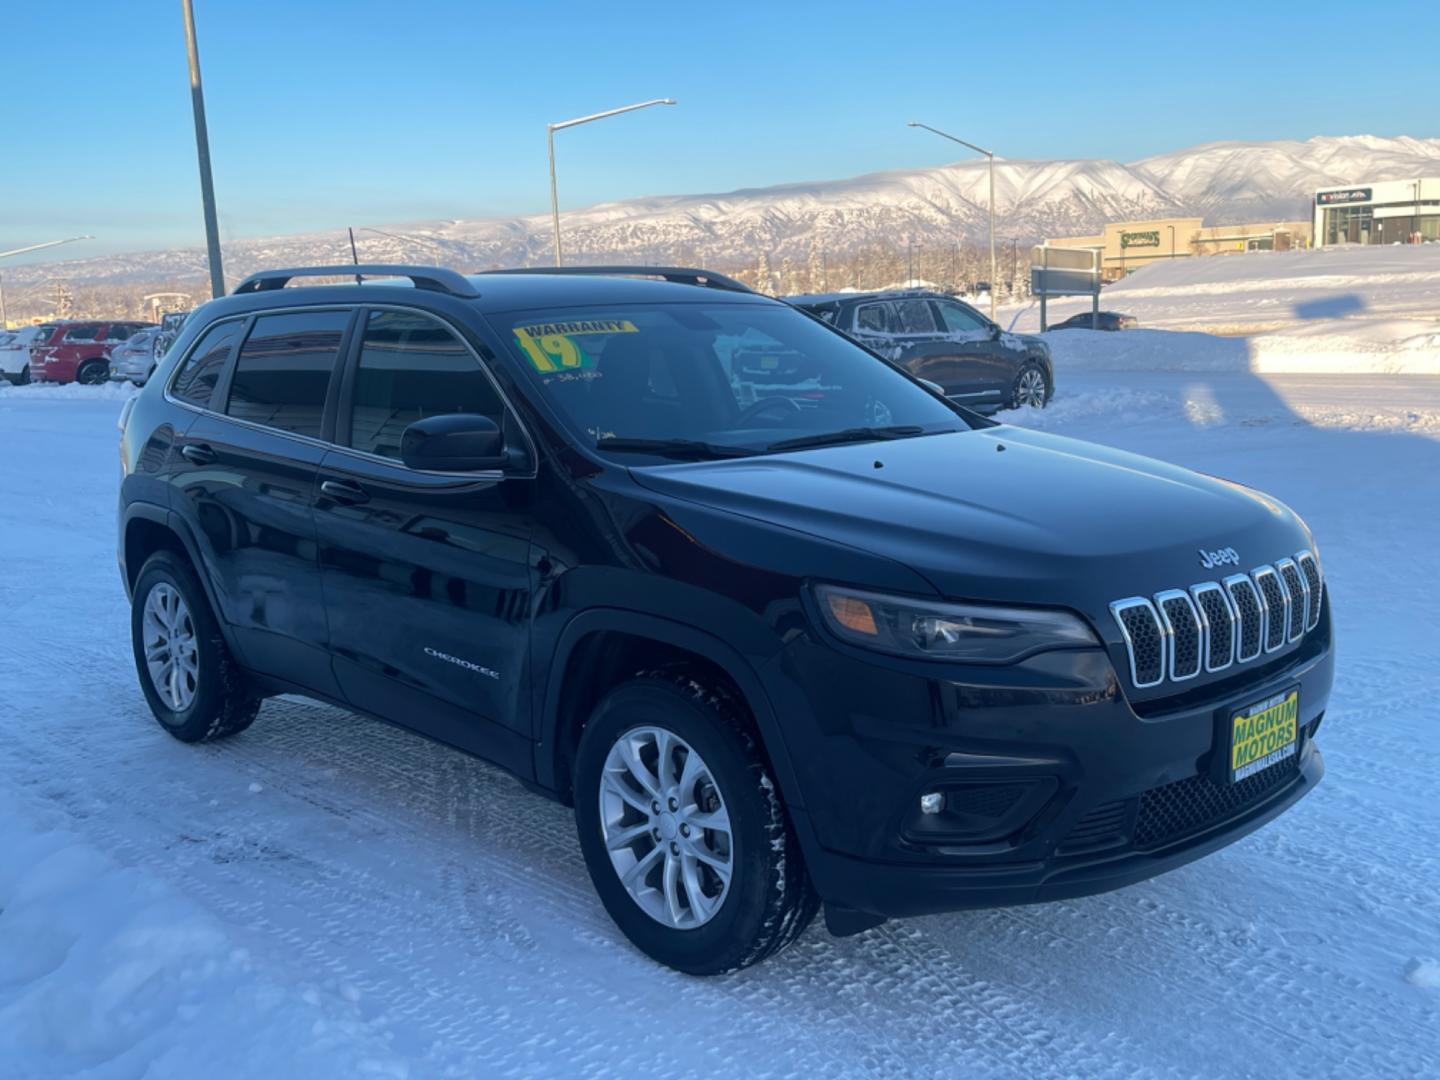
1378,212
1125,246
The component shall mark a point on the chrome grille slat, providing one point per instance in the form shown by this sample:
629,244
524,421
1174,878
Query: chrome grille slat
1178,633
1250,615
1182,628
1310,567
1145,640
1277,606
1299,593
1219,624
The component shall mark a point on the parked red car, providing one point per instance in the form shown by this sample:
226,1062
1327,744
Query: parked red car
78,351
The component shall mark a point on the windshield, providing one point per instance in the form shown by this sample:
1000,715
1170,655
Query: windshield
731,377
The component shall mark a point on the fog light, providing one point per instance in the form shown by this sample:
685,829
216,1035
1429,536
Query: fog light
932,802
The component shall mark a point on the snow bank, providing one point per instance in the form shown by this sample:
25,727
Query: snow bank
107,972
1265,291
110,391
1161,404
1332,347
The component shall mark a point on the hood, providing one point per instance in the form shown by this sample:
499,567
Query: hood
1004,513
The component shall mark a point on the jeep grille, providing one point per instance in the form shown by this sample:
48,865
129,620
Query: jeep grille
1177,633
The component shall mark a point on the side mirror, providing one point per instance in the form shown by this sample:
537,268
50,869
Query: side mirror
995,331
454,442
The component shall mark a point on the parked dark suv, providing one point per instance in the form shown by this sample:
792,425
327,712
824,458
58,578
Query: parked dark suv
830,638
944,341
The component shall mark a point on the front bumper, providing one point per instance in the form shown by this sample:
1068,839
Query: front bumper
896,890
1061,786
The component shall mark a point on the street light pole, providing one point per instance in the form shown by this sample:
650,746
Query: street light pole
550,130
202,149
989,154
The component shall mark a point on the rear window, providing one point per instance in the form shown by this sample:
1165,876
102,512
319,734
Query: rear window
196,382
283,372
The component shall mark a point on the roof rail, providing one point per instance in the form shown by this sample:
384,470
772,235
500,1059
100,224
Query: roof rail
434,278
680,275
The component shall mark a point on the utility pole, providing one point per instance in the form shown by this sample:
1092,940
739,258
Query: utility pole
202,149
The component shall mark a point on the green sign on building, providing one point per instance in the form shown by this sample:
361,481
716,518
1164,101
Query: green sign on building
1148,238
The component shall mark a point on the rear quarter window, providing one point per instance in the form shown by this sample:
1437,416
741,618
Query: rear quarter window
195,384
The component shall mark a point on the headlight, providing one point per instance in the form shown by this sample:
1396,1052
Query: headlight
963,633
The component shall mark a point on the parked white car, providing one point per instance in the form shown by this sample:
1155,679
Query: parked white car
133,359
15,353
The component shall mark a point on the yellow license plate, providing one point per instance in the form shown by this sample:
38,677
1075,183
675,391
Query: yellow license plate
1263,734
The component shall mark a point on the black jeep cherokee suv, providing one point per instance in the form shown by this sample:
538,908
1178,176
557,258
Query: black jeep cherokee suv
830,638
944,341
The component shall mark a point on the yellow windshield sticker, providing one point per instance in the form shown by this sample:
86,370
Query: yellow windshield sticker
549,348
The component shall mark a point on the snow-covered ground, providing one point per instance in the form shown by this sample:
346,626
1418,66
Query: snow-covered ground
1370,309
325,896
1269,290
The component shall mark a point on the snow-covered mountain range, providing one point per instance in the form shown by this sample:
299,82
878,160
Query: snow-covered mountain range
1226,182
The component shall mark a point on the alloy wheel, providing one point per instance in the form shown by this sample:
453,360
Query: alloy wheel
1030,388
171,650
666,827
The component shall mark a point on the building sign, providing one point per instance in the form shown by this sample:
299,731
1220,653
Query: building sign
1349,195
1149,238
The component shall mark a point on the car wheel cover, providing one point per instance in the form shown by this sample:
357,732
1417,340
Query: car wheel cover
666,827
171,650
1030,388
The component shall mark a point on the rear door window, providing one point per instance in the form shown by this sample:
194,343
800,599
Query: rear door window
81,333
283,371
196,382
914,317
411,367
873,319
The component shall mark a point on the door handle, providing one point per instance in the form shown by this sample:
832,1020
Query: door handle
197,453
342,491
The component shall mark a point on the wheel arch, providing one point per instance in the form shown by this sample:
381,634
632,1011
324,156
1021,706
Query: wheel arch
148,529
602,647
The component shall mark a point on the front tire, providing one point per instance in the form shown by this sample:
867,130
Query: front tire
191,682
1031,389
682,828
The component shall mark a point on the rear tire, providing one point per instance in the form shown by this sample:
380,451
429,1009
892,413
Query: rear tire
23,379
191,682
93,373
766,901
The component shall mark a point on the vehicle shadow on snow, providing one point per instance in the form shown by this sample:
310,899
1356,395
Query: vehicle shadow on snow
1331,307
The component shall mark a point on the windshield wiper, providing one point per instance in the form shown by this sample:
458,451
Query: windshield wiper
676,448
848,435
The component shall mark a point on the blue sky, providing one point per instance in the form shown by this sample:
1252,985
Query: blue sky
324,114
